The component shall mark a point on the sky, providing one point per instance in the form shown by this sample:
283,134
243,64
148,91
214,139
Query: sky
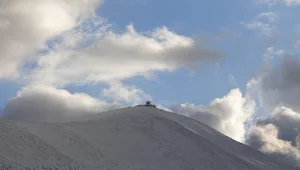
233,65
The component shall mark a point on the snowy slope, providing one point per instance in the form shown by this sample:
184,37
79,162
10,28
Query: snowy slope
130,138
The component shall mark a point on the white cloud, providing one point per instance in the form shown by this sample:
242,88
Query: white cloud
269,2
26,25
264,22
123,93
292,2
257,25
271,52
269,16
47,104
297,44
232,81
272,2
227,115
117,56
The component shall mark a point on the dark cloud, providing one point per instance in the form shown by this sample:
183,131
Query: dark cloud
265,137
281,85
287,122
285,76
278,90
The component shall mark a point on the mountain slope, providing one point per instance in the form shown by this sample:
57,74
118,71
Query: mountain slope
131,138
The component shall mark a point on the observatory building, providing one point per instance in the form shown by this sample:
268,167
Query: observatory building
148,104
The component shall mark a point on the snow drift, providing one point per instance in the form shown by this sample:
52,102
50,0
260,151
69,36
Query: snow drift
133,138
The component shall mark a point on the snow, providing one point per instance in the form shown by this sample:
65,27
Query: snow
130,138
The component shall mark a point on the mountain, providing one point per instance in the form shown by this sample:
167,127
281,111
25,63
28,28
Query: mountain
136,138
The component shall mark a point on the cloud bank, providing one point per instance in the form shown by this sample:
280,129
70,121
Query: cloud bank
278,135
227,115
278,90
48,104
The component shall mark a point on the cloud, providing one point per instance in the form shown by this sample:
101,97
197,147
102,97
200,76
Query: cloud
278,85
269,16
292,2
278,135
286,120
48,104
232,81
127,94
227,115
26,25
297,44
269,2
271,52
117,56
263,22
278,91
273,2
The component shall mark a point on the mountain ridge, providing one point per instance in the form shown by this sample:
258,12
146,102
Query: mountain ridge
128,138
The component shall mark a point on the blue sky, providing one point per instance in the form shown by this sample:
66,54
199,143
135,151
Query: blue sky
193,18
225,63
243,48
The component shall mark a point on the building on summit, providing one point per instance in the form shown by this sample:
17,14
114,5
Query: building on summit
148,104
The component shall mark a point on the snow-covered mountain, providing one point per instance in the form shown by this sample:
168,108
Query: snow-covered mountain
137,138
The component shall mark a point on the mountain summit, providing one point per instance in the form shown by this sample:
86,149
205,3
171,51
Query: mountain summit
135,138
